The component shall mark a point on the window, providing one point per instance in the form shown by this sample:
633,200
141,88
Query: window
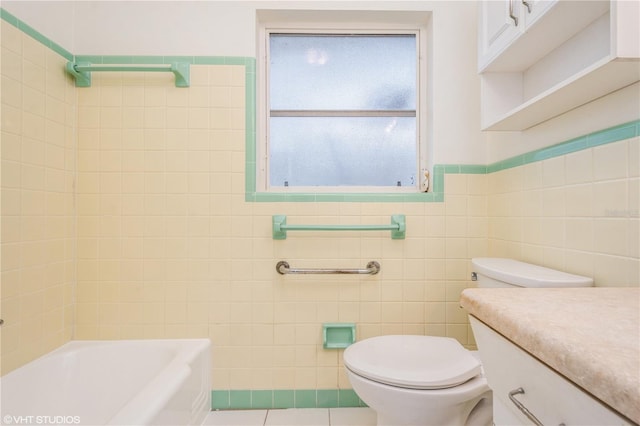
341,111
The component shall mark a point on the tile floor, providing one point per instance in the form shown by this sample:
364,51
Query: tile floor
293,417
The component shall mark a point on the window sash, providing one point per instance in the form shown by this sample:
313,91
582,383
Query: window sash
263,149
342,113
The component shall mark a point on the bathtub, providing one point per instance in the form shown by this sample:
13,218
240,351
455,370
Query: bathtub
120,382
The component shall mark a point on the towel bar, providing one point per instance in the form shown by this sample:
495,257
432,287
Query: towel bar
82,71
397,227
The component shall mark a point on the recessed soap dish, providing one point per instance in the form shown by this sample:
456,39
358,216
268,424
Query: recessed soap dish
338,335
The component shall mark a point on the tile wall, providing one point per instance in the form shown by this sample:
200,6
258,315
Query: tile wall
168,246
577,212
37,190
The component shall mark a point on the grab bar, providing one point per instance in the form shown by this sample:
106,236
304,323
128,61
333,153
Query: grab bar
82,71
283,268
397,227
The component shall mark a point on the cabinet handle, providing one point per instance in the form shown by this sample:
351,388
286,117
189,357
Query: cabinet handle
511,15
528,5
522,408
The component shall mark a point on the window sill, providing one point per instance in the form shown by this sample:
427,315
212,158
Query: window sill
345,197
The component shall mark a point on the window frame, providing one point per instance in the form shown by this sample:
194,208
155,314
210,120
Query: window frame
378,27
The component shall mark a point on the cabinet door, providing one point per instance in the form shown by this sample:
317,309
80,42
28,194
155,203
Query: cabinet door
545,394
497,28
534,9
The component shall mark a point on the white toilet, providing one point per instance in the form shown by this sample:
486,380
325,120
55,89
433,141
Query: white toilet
427,380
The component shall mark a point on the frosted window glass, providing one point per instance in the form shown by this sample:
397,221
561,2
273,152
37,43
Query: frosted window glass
343,151
342,110
343,72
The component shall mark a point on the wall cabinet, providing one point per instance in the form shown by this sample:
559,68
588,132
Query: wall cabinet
540,58
546,396
501,22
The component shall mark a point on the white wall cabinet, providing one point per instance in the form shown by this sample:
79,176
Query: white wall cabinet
498,28
560,55
502,21
547,396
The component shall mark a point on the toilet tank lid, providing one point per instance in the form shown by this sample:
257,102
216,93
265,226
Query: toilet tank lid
526,274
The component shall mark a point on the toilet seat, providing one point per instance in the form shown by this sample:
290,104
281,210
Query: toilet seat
414,362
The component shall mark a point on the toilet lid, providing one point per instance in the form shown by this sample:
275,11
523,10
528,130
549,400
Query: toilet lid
416,362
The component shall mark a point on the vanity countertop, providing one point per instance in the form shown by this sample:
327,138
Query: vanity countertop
591,336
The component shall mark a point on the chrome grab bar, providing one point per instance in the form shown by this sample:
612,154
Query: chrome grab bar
283,268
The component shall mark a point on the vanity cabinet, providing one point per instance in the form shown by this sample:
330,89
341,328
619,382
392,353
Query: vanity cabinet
519,379
540,58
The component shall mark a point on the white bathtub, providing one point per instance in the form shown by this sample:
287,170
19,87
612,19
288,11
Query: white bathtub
120,382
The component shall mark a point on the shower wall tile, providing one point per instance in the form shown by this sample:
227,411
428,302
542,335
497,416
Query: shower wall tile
38,226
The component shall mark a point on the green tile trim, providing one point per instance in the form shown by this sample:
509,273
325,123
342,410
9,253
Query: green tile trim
612,134
31,32
601,137
284,398
327,398
605,136
239,399
248,63
220,400
262,399
348,398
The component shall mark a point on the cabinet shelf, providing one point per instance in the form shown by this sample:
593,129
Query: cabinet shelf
605,76
573,53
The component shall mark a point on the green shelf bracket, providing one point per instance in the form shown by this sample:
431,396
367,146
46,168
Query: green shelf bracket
397,227
81,71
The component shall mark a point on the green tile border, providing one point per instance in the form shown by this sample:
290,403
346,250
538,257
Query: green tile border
248,63
284,398
601,137
31,32
591,140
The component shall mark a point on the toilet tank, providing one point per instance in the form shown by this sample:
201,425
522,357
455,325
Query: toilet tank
501,272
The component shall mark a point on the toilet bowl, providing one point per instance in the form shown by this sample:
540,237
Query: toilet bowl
419,380
426,380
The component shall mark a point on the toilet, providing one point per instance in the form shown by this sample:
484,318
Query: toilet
411,380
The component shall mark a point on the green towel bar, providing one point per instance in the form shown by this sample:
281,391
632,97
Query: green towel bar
82,71
397,227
